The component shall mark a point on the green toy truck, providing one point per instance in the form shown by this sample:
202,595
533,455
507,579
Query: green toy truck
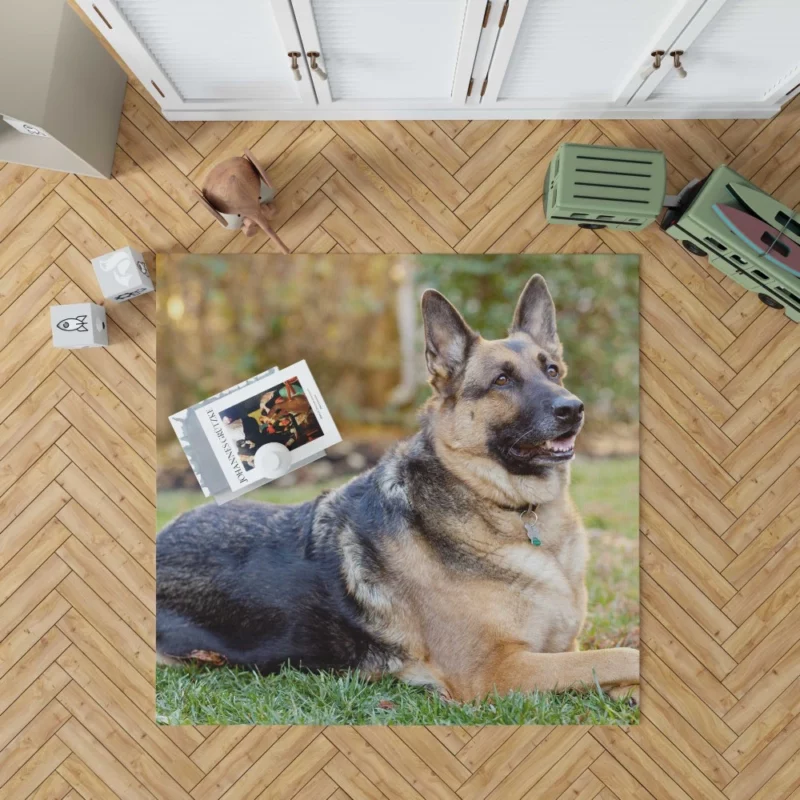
755,245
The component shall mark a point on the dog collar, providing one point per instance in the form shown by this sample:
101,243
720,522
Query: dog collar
523,509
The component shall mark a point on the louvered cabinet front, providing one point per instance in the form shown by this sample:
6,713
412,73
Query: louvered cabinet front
390,53
473,59
573,52
750,50
208,54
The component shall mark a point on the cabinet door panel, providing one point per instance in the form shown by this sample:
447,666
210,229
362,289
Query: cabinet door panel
209,54
569,52
749,51
391,53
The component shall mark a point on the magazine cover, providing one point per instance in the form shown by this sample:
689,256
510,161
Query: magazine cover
285,407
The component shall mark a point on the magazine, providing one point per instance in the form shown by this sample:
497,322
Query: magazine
283,406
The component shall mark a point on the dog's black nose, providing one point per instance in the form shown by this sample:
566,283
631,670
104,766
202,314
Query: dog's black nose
567,409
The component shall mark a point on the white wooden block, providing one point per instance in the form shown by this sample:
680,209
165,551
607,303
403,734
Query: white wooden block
122,274
78,325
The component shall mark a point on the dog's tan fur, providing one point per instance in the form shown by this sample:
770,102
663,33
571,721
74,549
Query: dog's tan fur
472,634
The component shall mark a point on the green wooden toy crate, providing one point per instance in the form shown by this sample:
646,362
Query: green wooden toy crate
697,226
605,187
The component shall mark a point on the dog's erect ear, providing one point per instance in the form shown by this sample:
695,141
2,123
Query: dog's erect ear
536,315
448,338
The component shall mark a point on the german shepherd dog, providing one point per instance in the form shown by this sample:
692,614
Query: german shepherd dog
422,567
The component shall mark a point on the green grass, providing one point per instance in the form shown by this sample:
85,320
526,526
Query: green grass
605,493
208,696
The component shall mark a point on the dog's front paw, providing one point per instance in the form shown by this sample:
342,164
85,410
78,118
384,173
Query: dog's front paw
208,657
629,692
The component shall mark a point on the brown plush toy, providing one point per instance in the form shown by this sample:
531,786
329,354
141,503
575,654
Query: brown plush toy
233,188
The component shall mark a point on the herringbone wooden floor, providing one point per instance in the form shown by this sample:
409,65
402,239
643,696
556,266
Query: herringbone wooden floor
720,471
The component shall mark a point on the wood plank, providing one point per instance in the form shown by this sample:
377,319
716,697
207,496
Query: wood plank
154,199
12,176
160,132
426,168
30,485
166,778
476,133
97,540
38,578
153,161
493,153
102,618
237,762
685,412
33,300
384,198
534,149
677,732
133,214
17,280
30,231
437,143
108,587
402,181
374,224
299,153
105,767
684,448
681,480
767,435
31,522
44,718
720,509
89,206
347,233
680,553
758,589
26,198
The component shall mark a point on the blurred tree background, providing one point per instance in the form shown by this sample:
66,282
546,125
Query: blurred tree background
355,319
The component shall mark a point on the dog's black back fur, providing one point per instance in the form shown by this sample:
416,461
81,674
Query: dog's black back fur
246,581
262,584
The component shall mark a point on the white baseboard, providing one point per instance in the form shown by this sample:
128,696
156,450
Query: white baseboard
753,111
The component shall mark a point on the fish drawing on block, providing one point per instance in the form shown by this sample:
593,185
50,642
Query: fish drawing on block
769,209
77,324
764,239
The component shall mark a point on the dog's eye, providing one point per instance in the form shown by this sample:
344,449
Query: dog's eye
501,380
552,371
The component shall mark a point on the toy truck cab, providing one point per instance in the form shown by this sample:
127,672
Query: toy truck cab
701,231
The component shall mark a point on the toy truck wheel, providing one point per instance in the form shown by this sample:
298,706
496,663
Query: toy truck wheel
592,226
769,301
693,248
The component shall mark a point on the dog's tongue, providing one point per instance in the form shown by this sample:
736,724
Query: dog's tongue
562,445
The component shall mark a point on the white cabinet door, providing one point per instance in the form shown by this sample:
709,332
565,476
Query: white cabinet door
579,54
208,54
391,54
735,52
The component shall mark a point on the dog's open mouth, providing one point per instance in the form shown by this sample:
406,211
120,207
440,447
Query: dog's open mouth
560,449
